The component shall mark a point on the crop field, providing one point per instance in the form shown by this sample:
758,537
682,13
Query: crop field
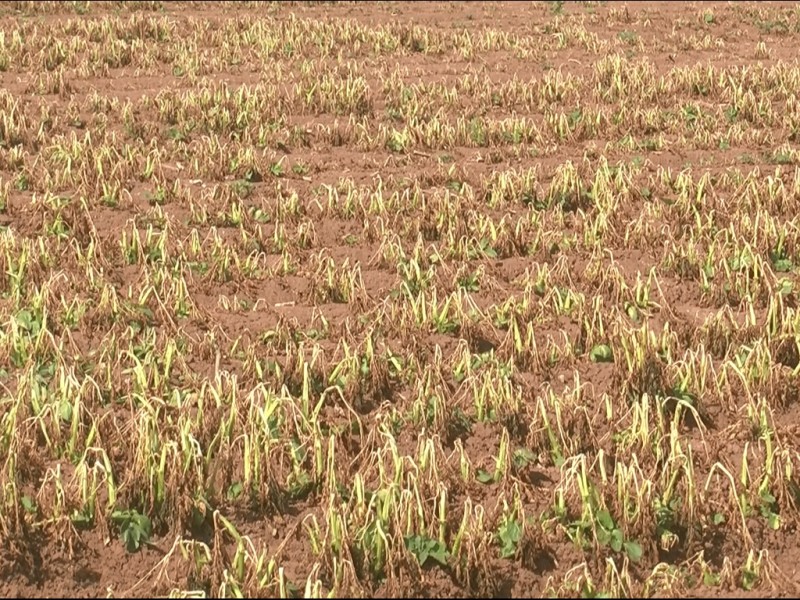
321,300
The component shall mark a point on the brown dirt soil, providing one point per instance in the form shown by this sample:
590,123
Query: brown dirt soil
147,210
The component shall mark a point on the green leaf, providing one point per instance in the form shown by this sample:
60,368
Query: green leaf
145,311
710,578
616,540
439,553
252,175
783,265
300,485
633,312
81,519
749,579
523,457
718,519
24,319
684,396
28,504
423,548
235,490
144,524
510,533
131,537
634,551
484,476
774,521
135,528
65,411
603,536
601,353
605,520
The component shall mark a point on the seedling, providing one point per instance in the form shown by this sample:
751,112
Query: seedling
425,549
509,535
135,528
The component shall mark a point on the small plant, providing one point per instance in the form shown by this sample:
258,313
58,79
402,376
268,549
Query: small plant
509,535
601,353
609,534
242,188
135,528
277,168
425,548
